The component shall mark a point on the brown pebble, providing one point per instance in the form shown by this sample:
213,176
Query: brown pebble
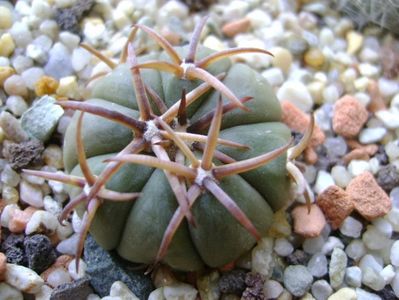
61,261
359,153
310,156
376,100
298,121
19,219
3,266
232,28
368,197
308,224
349,116
172,37
335,204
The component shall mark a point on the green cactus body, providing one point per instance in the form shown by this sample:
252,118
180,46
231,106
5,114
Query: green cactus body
135,229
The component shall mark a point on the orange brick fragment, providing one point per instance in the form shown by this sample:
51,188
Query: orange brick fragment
336,205
349,116
232,28
369,199
308,224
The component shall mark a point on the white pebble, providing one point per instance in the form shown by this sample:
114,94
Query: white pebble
64,231
364,295
7,292
283,247
383,226
52,206
388,273
351,227
180,291
69,245
363,98
44,293
372,279
80,59
372,135
262,257
395,284
317,265
341,176
323,181
388,87
50,28
394,195
31,76
373,239
82,269
7,213
390,118
337,267
41,9
331,245
313,245
21,34
372,262
272,289
17,105
356,249
4,61
392,150
41,221
368,70
24,279
353,276
21,63
10,177
274,76
321,290
393,218
357,167
120,290
296,93
15,85
58,276
69,39
31,194
395,254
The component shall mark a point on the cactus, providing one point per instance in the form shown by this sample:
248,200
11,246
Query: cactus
180,161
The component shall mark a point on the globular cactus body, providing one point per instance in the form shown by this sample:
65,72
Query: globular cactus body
135,229
206,172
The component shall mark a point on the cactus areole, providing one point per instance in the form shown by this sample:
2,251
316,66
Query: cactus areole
179,161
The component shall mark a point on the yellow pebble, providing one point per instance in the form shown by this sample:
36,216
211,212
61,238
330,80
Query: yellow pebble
7,45
314,58
5,72
5,18
46,85
68,88
2,135
282,58
355,42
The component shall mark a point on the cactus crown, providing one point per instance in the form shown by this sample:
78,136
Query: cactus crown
169,140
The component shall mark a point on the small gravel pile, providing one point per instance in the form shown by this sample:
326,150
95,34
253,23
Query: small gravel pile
346,248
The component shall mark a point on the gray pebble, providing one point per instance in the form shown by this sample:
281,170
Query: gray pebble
297,280
59,63
41,119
